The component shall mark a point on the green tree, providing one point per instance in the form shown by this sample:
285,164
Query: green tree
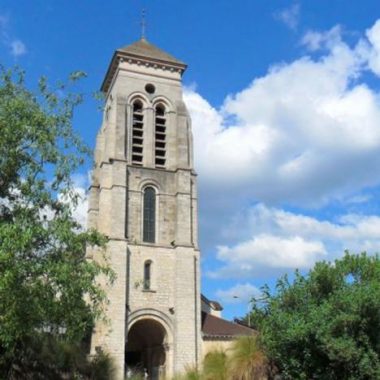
47,286
325,325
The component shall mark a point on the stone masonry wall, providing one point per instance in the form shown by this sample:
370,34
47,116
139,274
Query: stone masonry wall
116,208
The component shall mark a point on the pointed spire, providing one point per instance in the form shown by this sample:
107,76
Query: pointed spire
145,50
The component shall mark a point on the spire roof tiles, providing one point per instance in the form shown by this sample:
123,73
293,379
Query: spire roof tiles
145,49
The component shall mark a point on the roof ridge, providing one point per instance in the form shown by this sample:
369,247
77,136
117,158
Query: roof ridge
215,326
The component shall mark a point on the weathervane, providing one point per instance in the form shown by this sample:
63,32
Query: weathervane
143,24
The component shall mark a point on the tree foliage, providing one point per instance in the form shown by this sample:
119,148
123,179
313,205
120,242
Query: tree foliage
325,325
46,284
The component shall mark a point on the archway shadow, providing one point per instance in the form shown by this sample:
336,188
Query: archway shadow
145,349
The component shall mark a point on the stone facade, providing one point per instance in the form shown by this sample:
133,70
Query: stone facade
116,208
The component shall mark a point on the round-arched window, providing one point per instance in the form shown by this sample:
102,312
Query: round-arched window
149,215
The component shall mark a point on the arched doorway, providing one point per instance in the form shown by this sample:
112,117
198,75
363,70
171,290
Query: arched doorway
145,348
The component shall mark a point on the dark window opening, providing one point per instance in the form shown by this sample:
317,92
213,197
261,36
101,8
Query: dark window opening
160,129
160,110
160,144
137,141
147,274
160,153
149,216
137,106
160,121
137,159
150,89
160,162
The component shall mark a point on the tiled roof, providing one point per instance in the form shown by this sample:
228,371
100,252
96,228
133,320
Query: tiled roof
145,49
214,304
214,327
144,52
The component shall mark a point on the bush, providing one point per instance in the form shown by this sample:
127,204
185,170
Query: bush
215,366
247,360
243,361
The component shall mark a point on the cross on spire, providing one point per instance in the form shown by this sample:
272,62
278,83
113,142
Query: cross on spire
143,24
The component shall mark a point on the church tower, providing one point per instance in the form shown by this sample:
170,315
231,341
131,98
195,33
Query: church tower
144,198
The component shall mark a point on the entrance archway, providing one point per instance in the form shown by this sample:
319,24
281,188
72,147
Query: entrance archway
145,349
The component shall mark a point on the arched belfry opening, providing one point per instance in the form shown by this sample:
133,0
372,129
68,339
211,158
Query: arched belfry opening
146,348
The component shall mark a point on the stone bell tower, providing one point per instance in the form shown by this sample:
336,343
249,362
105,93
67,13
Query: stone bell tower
144,198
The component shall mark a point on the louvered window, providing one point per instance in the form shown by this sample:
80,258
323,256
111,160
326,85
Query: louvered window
149,222
137,133
160,137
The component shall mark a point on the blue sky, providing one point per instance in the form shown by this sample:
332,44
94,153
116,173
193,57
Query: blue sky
284,97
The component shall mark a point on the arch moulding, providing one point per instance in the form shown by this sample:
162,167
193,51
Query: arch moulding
139,96
149,182
153,314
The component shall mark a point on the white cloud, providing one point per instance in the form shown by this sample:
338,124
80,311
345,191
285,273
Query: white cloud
80,183
267,253
80,211
239,293
359,198
289,16
273,241
16,47
314,40
305,133
373,35
80,207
